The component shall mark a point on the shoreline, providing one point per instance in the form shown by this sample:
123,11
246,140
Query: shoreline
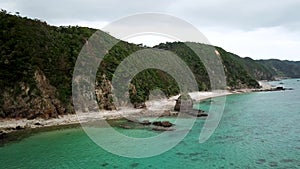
13,129
153,108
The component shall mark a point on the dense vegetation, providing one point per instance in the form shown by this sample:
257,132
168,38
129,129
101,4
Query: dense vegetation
37,62
269,69
236,75
30,44
280,68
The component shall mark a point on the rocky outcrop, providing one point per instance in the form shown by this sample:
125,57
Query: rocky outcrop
49,105
184,103
104,94
32,102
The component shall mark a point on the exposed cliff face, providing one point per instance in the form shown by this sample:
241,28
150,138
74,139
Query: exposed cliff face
49,103
40,102
104,94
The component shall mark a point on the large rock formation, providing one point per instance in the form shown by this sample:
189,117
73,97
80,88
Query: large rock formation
184,103
39,102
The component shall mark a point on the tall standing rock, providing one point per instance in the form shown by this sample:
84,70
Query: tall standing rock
184,103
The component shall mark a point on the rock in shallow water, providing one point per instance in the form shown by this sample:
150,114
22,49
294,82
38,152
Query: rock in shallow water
202,115
19,128
166,124
162,123
157,123
184,103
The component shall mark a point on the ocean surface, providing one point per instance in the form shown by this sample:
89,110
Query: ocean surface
257,130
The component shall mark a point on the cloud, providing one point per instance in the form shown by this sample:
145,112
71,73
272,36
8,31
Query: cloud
236,14
239,14
88,10
263,43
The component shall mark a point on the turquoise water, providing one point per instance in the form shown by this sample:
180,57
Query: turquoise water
257,130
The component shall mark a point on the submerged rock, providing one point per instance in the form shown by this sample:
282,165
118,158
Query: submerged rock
125,126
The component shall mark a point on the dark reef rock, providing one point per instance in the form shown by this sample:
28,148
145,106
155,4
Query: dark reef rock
104,164
162,124
157,123
19,128
133,165
166,124
202,115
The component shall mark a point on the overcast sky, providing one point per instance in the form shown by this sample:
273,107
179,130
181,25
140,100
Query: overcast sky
260,29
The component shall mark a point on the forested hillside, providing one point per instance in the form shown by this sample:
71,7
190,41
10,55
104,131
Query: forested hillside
37,63
280,68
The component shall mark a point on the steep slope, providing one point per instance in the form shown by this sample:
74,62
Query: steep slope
256,70
236,75
37,63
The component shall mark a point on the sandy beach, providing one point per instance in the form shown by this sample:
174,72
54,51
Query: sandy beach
153,108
